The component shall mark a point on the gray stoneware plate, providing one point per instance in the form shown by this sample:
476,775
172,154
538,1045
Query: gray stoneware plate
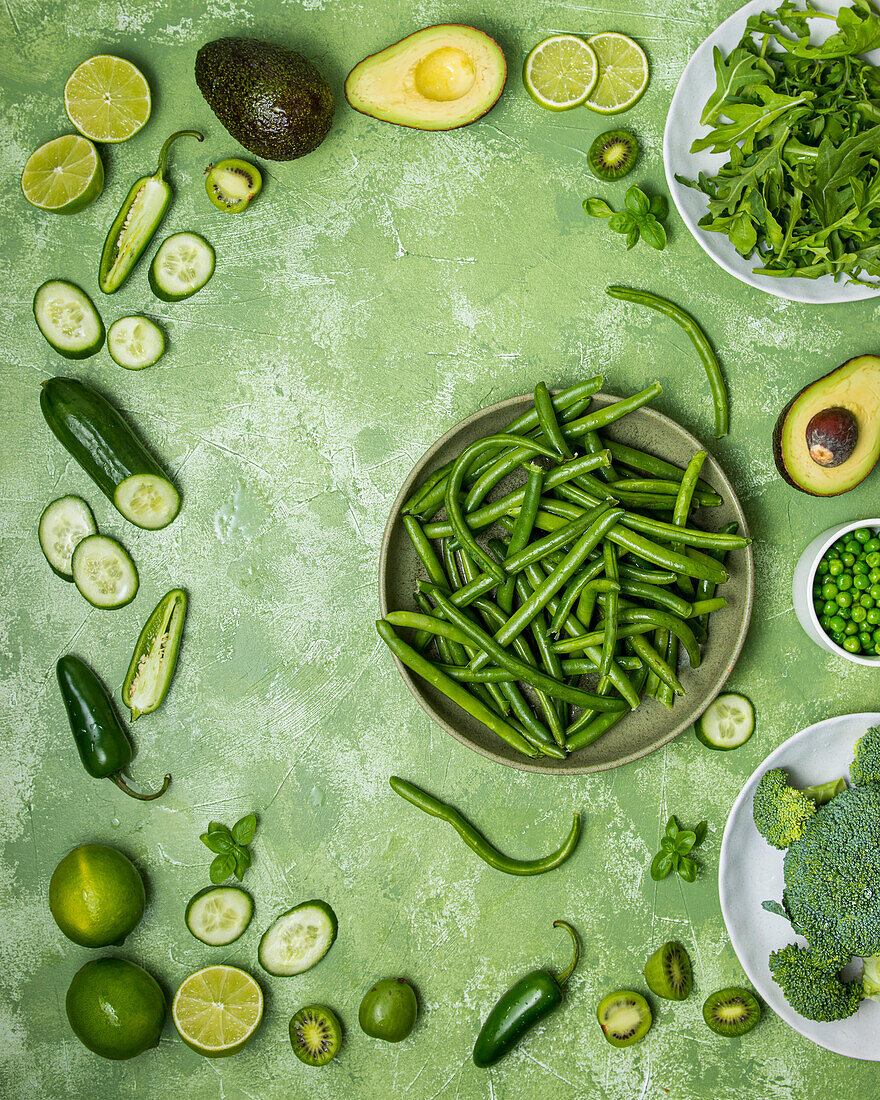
652,725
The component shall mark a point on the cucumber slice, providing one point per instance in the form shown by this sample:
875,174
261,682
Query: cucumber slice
63,524
183,264
135,342
298,939
67,317
218,915
727,723
104,572
105,446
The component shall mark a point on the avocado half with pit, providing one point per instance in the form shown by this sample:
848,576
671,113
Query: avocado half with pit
436,79
827,439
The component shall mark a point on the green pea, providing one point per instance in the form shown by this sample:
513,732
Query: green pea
835,568
861,534
851,645
873,545
844,599
866,600
852,547
866,641
822,567
829,590
829,607
838,624
825,622
845,581
874,592
848,558
859,614
860,567
872,615
874,575
861,582
838,639
851,628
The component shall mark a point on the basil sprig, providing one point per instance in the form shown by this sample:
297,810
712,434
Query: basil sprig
641,220
232,855
675,848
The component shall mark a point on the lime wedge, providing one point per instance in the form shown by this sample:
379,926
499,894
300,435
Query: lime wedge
623,73
217,1010
64,175
107,98
560,72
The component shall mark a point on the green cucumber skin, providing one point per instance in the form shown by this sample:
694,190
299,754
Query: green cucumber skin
147,638
93,348
317,904
211,890
95,434
109,250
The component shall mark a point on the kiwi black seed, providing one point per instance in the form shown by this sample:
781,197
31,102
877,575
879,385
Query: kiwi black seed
232,183
624,1017
613,154
315,1035
731,1012
669,973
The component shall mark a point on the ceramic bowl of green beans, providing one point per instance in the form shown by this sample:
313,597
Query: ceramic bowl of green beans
566,579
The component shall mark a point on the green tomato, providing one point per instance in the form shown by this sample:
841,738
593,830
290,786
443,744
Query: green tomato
389,1010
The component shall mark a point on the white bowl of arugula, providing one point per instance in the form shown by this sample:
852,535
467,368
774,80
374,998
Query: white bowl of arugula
772,148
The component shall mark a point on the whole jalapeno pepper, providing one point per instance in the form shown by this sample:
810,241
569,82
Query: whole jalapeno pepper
137,221
104,749
525,1004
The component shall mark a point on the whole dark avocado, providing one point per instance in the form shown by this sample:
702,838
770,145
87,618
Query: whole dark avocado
273,101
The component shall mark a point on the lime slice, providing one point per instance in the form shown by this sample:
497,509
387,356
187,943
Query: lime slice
217,1010
560,72
107,98
623,73
63,176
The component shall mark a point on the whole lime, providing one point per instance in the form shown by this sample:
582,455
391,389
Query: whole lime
115,1008
389,1010
96,895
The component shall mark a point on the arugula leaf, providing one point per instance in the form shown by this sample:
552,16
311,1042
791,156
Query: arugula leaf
747,120
733,73
858,32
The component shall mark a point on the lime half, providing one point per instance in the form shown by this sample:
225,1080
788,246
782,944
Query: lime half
63,176
623,73
217,1010
560,72
107,98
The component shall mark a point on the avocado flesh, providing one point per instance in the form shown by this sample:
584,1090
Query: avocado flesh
273,101
854,386
435,79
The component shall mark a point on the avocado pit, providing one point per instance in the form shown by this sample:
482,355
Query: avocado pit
832,436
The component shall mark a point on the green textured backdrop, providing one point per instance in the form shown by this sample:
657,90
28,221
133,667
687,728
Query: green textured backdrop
380,290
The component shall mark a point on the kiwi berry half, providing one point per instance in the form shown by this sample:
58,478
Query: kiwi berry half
315,1035
731,1012
669,973
624,1017
232,183
613,154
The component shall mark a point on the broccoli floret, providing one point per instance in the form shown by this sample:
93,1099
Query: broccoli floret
781,813
813,992
865,767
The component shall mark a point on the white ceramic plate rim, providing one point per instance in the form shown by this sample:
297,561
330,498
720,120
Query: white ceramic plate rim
750,871
683,127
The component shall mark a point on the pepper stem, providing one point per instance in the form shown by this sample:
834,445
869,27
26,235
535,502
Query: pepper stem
163,153
569,970
123,786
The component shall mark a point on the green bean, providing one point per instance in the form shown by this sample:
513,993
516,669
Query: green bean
534,731
453,505
522,529
453,691
592,443
643,648
527,674
414,502
560,576
593,730
490,513
667,621
666,691
636,490
649,576
547,420
425,551
647,463
573,592
686,493
610,414
655,594
419,620
475,839
698,338
609,633
706,607
552,665
578,642
572,666
586,605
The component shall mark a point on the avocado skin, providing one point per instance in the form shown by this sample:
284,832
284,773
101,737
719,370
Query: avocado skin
271,100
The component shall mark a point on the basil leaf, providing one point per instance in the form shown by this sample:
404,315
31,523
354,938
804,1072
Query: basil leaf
685,841
632,237
659,206
637,202
667,844
217,827
687,868
244,854
700,832
661,865
672,827
597,208
622,222
243,830
221,868
217,842
653,232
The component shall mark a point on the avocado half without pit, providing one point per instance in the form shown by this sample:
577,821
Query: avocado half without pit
435,79
827,439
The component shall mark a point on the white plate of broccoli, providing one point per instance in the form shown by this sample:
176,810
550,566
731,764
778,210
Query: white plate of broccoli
820,872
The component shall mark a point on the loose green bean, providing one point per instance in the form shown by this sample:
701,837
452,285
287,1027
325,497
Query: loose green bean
453,691
610,414
647,463
475,839
698,338
522,529
547,420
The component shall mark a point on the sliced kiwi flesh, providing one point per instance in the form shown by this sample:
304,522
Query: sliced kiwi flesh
232,183
613,155
315,1035
624,1017
731,1011
669,973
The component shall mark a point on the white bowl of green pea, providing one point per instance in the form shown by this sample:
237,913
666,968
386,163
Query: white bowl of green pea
836,591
